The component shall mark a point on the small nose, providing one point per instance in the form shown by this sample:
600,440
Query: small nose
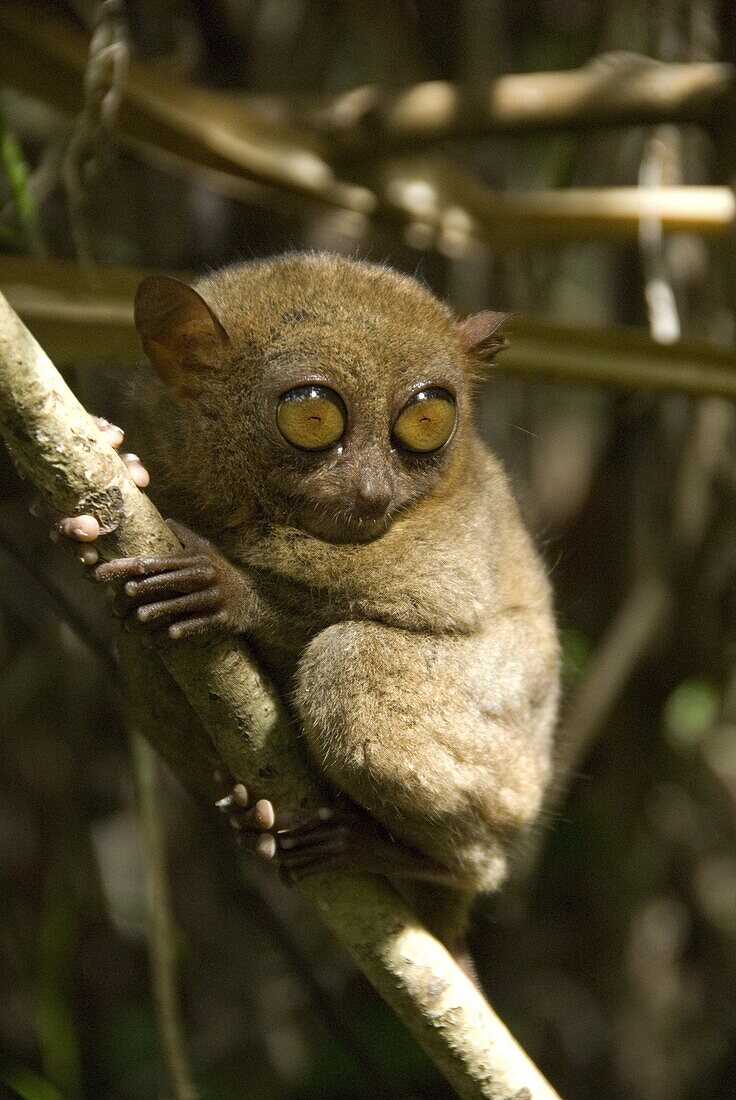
372,493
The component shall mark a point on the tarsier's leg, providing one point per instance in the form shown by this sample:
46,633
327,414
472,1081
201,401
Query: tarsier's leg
444,740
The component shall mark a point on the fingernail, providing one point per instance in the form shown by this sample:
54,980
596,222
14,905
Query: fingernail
224,803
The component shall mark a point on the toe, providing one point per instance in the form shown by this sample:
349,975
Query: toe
137,470
264,815
80,528
112,433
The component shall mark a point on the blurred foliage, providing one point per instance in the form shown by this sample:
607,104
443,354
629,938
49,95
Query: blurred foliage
612,953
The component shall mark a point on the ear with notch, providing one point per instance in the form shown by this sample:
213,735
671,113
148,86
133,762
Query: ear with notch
180,333
481,336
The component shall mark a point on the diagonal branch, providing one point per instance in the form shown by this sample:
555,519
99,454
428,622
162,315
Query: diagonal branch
59,447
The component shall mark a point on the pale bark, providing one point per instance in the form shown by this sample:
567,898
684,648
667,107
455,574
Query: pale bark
616,89
59,447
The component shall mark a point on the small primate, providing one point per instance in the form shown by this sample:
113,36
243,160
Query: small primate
310,426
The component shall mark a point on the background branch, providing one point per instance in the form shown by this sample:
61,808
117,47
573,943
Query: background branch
55,299
614,89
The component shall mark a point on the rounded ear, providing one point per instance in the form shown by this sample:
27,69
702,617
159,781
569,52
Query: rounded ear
480,334
179,332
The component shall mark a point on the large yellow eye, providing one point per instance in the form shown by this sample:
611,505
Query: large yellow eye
311,417
426,421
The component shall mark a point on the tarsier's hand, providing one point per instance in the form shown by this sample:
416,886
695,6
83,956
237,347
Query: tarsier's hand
86,529
184,593
192,591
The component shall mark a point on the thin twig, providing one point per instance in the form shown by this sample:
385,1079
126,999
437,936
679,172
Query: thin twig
161,932
640,620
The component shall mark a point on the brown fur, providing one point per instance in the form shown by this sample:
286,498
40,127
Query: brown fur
419,650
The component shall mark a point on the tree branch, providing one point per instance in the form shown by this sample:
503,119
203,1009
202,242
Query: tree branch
66,315
616,89
161,113
59,447
445,207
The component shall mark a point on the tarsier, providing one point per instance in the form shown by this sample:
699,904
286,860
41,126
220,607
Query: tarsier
310,422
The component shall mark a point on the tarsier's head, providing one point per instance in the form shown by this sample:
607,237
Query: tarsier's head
323,393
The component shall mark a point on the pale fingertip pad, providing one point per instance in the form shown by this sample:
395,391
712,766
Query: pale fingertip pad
266,846
240,795
89,556
80,528
264,815
140,476
112,433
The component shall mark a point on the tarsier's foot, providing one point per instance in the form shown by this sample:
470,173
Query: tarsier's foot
330,838
253,823
333,840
